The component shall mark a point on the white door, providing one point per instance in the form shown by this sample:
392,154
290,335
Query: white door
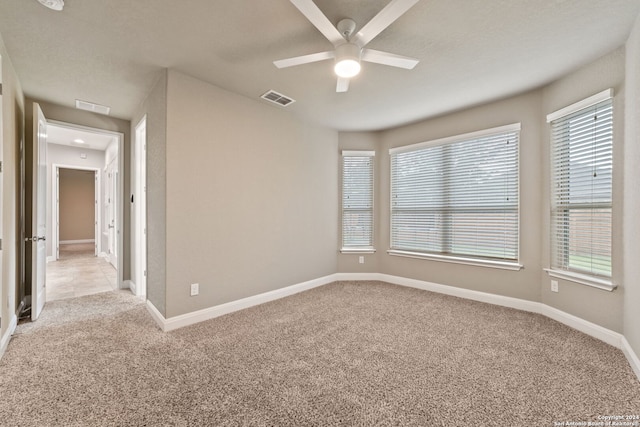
140,206
38,222
111,209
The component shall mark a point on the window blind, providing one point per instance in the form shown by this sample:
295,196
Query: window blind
458,198
357,200
581,193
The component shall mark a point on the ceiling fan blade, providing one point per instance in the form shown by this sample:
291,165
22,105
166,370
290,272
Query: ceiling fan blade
304,59
343,85
391,12
387,58
319,20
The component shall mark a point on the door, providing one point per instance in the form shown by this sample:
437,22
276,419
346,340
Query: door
140,208
38,221
111,209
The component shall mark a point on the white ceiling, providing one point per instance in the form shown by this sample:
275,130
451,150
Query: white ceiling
470,51
63,135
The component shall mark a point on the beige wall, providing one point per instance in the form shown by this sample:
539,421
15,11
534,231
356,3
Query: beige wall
77,205
12,135
252,196
524,109
531,283
631,194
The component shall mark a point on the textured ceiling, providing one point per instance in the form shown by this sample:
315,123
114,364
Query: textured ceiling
470,51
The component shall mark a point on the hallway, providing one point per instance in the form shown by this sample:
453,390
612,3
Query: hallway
79,272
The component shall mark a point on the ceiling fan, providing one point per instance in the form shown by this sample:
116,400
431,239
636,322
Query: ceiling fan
349,45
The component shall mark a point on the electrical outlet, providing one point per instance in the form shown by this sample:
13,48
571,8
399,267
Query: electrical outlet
361,260
195,289
554,286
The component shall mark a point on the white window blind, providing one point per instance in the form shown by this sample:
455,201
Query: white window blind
357,200
458,197
581,193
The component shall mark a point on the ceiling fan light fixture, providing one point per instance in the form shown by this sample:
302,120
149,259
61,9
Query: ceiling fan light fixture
57,5
347,60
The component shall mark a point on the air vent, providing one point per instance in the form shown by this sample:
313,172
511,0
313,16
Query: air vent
277,98
90,106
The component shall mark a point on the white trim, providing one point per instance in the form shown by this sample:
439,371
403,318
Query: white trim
514,127
4,342
50,259
219,310
477,262
589,328
632,357
157,316
355,250
588,102
356,153
71,242
583,279
129,284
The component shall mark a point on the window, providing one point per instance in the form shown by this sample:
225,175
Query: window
357,201
581,186
457,197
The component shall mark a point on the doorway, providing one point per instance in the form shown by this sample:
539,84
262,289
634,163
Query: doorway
85,262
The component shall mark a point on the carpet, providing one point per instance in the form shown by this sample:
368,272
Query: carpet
348,353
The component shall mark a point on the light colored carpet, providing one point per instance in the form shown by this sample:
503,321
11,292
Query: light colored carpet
349,353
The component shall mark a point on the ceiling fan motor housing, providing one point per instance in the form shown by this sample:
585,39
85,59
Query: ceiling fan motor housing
347,60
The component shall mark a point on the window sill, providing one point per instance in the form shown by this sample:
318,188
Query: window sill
503,265
358,251
583,279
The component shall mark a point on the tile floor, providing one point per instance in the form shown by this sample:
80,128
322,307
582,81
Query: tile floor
78,272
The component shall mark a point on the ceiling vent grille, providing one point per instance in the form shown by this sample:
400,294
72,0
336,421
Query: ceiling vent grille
90,106
277,98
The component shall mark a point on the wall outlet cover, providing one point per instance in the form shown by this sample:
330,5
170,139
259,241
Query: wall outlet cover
554,286
195,289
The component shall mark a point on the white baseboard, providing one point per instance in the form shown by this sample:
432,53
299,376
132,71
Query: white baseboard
596,331
128,284
4,342
51,259
71,242
222,309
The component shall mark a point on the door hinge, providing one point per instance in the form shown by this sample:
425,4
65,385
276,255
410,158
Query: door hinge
0,244
0,166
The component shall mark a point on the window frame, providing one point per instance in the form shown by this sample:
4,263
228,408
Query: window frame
594,280
506,264
357,249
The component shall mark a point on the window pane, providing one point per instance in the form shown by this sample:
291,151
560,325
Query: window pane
458,198
582,171
357,201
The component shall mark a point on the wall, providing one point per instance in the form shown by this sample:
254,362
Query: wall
631,195
155,108
70,157
251,197
524,109
13,107
531,283
77,205
601,307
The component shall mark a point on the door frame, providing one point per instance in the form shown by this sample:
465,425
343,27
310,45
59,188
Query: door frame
139,205
55,208
119,190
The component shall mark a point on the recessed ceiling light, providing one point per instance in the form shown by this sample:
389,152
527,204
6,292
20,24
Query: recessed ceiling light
53,4
78,140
